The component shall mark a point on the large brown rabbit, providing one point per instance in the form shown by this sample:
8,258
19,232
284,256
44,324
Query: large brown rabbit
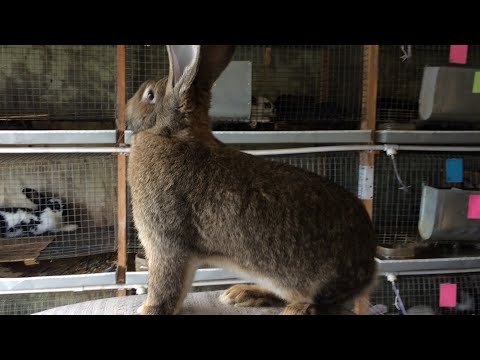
196,201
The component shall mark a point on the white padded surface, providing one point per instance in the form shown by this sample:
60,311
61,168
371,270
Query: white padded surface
202,303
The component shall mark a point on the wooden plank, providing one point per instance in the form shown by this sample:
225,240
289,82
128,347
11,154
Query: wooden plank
369,119
23,249
370,88
267,63
121,170
369,106
24,117
121,92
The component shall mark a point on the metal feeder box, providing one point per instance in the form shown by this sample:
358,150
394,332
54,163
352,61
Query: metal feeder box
447,95
443,215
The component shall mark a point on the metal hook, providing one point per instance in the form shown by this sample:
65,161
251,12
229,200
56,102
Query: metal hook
406,54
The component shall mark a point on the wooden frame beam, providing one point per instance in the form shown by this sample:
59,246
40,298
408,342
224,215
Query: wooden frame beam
367,158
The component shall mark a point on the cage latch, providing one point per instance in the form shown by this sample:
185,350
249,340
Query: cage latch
398,300
406,54
391,152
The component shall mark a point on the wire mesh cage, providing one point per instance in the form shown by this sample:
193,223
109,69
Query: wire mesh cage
27,304
54,206
57,87
401,70
294,87
144,62
396,210
341,167
420,294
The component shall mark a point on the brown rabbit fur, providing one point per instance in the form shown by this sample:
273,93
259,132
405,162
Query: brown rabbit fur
196,201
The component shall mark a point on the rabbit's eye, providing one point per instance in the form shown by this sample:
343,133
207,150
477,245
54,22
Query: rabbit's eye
151,96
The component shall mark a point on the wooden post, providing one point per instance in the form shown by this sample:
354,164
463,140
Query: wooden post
367,158
121,171
267,63
370,86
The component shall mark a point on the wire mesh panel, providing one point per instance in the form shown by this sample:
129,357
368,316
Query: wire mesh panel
54,206
341,168
401,69
144,62
294,87
420,294
27,304
57,86
396,210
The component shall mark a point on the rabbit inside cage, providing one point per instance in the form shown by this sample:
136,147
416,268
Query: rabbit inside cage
49,216
69,199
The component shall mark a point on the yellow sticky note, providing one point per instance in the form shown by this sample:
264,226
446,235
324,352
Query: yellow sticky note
476,83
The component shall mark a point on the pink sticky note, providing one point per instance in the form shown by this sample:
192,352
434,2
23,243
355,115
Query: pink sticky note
473,207
448,295
458,54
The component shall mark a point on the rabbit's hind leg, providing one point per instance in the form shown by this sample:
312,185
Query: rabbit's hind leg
300,309
303,303
249,295
315,309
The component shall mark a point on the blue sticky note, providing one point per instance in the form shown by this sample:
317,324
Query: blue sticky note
454,170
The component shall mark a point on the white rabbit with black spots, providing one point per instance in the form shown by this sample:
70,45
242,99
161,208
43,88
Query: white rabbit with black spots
17,222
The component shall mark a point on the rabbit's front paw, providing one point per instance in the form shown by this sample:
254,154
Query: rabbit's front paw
140,310
249,295
151,310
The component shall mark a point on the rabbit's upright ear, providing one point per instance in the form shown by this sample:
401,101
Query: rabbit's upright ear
199,64
184,60
33,195
213,60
